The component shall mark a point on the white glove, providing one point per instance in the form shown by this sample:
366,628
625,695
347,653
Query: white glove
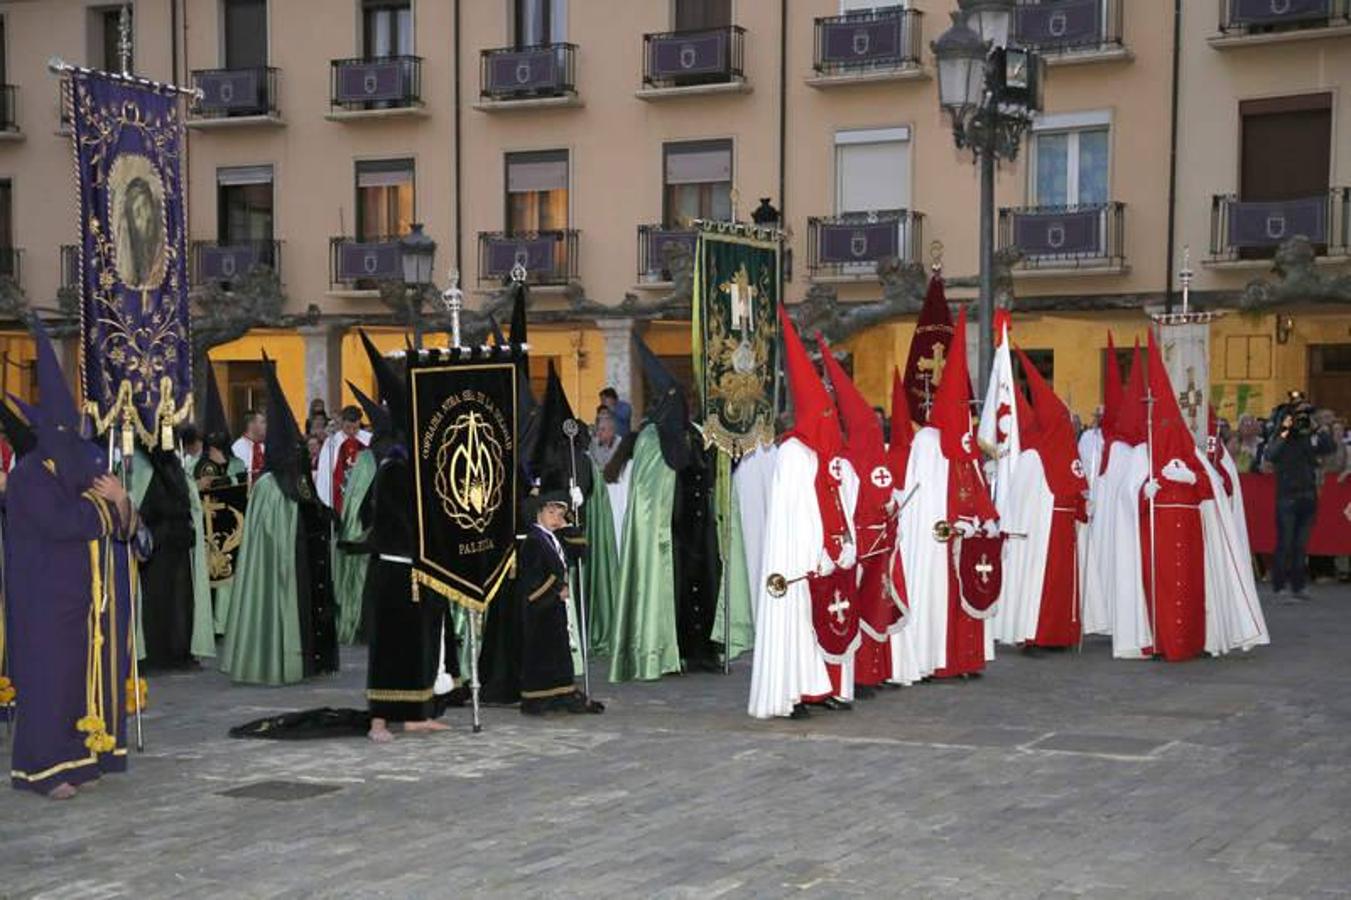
1151,488
1176,472
825,566
964,528
992,528
575,494
848,556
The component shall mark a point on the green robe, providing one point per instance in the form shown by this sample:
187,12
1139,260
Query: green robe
644,645
602,564
262,636
221,589
349,569
203,631
743,621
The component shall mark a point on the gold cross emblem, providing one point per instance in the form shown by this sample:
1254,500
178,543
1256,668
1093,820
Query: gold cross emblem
931,367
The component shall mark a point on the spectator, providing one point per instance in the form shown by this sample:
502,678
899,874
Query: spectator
190,443
604,439
317,408
620,409
1247,444
315,443
317,426
1294,452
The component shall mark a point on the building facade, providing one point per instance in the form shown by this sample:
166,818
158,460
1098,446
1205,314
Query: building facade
583,136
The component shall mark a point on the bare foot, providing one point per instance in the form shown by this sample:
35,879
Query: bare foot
62,791
379,732
426,725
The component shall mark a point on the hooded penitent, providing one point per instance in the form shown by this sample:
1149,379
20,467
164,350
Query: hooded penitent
215,425
666,408
285,456
18,430
57,421
393,392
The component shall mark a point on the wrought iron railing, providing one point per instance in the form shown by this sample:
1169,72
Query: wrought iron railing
527,73
224,261
233,93
363,264
1243,17
9,107
1246,229
654,242
869,41
1068,26
70,266
1086,235
687,58
381,82
549,257
854,243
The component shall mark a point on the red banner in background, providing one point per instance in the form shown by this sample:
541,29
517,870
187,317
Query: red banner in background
1331,534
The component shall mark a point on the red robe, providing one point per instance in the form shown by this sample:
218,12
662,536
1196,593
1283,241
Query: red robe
968,498
346,458
1180,574
1058,622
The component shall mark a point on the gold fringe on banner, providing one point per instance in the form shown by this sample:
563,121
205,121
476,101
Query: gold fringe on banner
455,595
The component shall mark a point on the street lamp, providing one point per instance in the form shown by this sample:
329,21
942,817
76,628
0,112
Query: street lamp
417,254
990,91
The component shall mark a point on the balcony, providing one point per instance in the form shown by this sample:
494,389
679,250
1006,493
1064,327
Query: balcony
544,75
1253,230
221,261
549,257
378,87
234,98
9,113
849,246
681,63
1082,239
653,244
873,45
1246,22
357,267
10,264
70,267
1068,32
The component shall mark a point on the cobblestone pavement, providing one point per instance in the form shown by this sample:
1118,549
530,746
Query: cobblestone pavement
1062,776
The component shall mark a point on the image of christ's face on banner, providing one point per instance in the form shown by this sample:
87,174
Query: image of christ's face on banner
137,216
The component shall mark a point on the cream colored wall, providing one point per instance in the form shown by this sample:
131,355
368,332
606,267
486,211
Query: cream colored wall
1213,83
313,158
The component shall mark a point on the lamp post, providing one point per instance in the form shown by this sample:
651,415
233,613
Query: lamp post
990,91
417,253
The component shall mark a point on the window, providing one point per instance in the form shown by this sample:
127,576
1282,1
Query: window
245,26
384,199
872,170
244,205
8,266
697,15
1287,147
1070,160
537,191
539,22
105,35
697,179
858,6
386,28
4,67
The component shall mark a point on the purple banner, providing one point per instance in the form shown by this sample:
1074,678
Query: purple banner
231,91
366,82
857,242
697,53
1267,224
536,254
1059,234
1060,23
376,262
657,240
1274,12
870,40
514,71
221,263
136,347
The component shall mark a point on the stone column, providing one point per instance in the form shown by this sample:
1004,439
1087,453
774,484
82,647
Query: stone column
617,334
316,339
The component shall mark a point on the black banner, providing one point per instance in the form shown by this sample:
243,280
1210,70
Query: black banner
464,472
223,510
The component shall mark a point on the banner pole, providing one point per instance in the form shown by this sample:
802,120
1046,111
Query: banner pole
475,618
726,503
571,429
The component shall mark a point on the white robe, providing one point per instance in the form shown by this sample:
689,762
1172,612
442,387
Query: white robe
1090,453
787,663
243,451
619,504
1114,578
754,478
920,647
1234,619
1031,513
328,456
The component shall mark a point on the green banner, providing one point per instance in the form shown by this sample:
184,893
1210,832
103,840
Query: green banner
736,335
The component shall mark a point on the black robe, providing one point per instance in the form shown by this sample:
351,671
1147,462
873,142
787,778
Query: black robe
166,577
546,654
314,583
405,633
697,562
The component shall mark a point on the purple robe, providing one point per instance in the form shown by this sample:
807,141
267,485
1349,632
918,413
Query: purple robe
56,540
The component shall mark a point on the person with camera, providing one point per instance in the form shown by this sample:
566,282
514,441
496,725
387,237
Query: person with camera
1294,452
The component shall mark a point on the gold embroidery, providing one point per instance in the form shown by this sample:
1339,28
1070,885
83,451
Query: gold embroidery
379,695
551,692
543,589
